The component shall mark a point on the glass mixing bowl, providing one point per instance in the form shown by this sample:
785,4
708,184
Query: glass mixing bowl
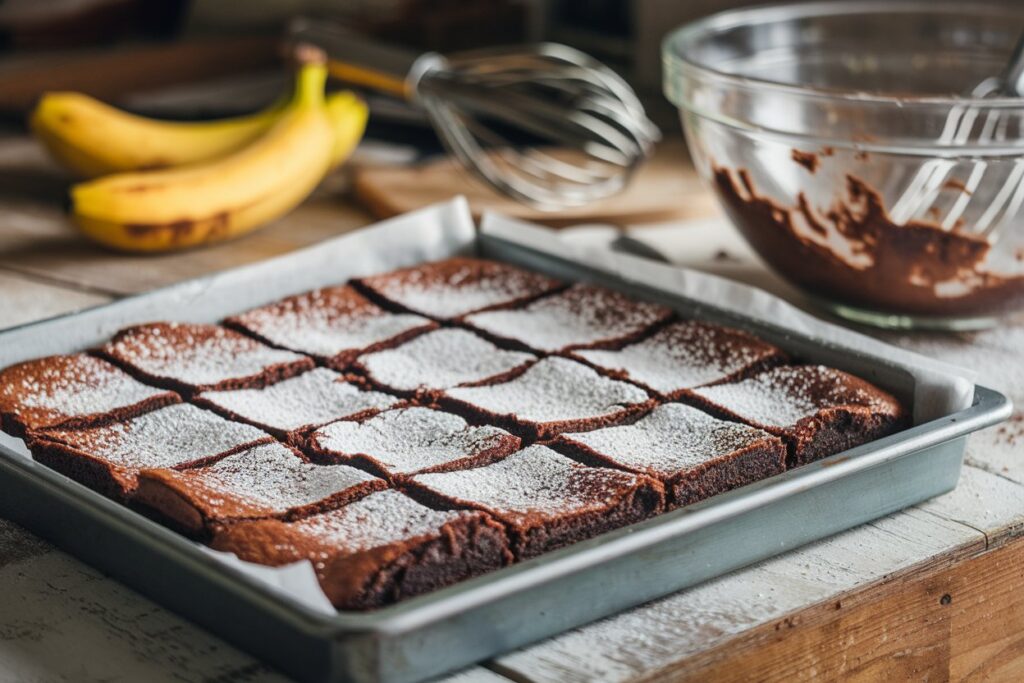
840,141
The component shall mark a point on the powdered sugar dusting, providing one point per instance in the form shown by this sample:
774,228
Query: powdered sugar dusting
439,360
409,439
553,390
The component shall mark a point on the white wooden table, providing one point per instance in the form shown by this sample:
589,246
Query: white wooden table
932,593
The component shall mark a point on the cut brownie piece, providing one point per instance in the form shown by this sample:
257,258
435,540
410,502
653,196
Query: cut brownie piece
684,355
408,441
454,287
270,480
818,410
695,455
554,395
75,390
334,325
293,407
191,357
108,458
545,499
581,316
378,550
440,360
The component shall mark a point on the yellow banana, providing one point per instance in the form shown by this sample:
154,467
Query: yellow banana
348,114
184,207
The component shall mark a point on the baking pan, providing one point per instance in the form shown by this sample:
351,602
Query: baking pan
465,623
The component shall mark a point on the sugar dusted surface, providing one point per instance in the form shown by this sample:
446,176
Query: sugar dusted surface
581,315
673,438
553,390
441,359
409,439
310,399
683,355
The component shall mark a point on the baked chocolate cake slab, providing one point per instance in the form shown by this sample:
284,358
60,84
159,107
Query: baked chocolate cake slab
399,443
451,288
334,325
72,390
684,355
266,481
192,357
693,454
545,499
818,410
554,395
377,550
291,408
108,458
578,317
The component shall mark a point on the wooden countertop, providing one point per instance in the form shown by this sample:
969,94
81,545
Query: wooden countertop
934,592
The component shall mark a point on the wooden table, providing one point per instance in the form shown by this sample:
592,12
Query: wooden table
932,593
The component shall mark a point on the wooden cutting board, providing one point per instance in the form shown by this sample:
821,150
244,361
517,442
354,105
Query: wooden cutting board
665,188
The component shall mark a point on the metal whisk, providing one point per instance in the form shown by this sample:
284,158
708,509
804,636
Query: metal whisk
552,93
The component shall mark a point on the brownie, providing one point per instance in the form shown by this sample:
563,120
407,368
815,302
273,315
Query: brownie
581,316
376,551
334,325
684,355
269,480
545,499
108,458
74,390
192,357
693,454
554,395
291,408
407,441
454,287
439,360
818,410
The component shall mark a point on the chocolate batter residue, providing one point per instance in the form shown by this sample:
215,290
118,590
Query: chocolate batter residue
808,160
854,253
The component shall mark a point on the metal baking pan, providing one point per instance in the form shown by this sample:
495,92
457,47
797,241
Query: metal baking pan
517,605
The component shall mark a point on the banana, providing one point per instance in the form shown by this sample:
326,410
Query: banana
184,207
348,114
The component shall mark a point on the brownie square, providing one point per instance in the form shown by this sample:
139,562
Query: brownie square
334,325
376,551
581,316
439,360
291,408
554,395
407,441
74,390
684,355
266,481
545,499
192,357
818,410
454,287
108,458
693,454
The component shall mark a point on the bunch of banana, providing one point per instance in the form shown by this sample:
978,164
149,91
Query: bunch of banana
215,180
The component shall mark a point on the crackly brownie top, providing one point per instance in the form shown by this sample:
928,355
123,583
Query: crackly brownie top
196,355
535,483
581,315
440,359
673,438
327,322
269,479
52,390
310,399
175,435
684,355
411,439
782,396
553,390
457,286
